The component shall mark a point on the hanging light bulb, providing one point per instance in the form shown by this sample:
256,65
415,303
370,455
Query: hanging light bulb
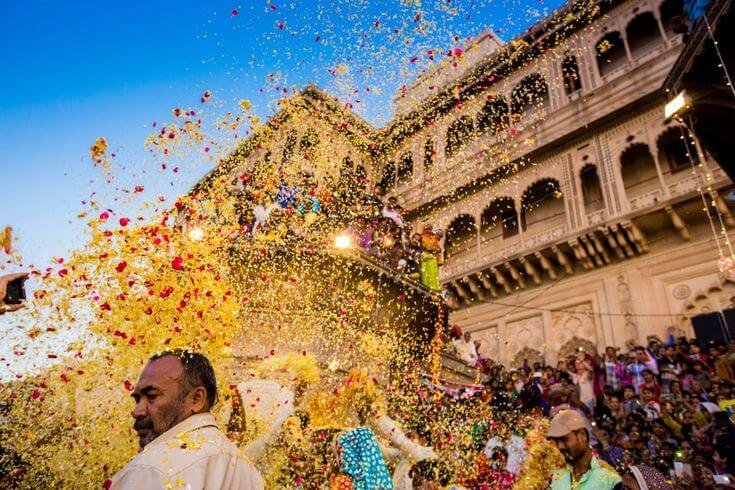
196,234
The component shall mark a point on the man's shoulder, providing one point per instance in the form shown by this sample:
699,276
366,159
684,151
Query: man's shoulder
187,448
561,478
606,472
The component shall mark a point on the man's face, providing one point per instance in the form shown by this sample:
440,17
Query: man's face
572,445
647,395
641,356
159,399
628,393
648,376
614,403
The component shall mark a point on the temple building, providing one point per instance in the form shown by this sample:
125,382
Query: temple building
575,213
572,207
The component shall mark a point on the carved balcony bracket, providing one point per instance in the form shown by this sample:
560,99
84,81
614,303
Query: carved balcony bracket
636,236
590,249
563,260
487,284
612,242
721,206
475,288
515,275
580,254
501,279
547,265
622,242
679,224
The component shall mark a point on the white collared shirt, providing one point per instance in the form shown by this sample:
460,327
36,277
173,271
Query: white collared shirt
194,454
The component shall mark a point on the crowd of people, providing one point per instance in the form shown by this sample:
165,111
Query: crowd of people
383,234
665,409
377,227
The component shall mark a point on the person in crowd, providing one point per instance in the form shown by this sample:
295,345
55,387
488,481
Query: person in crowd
568,430
584,378
180,441
650,402
669,368
720,366
615,406
429,266
643,361
630,400
392,211
655,347
643,477
695,351
614,368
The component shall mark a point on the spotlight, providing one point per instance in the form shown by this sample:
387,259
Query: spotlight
196,234
342,241
677,105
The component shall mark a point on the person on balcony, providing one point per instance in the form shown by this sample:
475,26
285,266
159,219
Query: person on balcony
429,266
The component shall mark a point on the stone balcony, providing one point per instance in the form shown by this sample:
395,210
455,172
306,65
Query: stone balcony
550,251
488,152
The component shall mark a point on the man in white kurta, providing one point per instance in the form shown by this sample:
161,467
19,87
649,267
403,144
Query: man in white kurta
181,445
193,454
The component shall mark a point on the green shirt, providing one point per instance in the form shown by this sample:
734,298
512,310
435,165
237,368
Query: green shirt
600,476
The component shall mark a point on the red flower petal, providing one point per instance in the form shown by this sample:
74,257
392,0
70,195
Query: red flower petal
124,221
121,266
178,264
128,385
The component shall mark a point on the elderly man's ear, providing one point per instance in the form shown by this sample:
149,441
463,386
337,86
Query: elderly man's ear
198,400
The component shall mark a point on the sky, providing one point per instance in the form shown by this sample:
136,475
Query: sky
75,71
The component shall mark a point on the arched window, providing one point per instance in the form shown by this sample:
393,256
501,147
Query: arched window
499,219
429,154
542,202
673,154
309,141
591,190
610,53
290,146
405,168
673,18
493,116
461,235
389,177
643,34
638,170
529,96
458,134
570,74
345,170
361,176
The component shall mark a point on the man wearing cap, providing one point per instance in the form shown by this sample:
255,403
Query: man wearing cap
584,470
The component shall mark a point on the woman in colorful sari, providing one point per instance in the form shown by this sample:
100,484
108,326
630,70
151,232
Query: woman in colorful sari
429,266
362,466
